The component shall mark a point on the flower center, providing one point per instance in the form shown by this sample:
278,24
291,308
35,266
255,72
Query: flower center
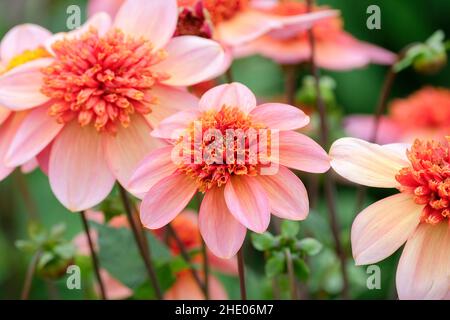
428,179
223,10
222,144
26,56
102,80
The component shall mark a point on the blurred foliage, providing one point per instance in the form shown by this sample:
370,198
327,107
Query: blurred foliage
403,22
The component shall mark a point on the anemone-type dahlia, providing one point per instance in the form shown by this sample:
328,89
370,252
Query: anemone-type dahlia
237,154
335,48
19,48
93,102
234,22
418,215
424,114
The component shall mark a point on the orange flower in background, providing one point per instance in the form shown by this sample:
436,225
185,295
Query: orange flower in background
185,287
335,48
95,97
419,215
424,114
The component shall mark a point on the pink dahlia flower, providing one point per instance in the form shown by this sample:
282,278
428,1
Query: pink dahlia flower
20,47
418,215
235,22
424,114
335,48
99,92
242,191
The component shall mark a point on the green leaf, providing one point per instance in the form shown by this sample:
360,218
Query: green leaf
57,231
26,245
275,264
289,228
309,245
44,259
65,250
301,269
119,255
264,241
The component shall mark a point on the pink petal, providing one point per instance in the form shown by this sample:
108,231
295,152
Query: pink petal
231,95
166,199
29,166
21,38
100,22
244,27
36,131
115,290
7,132
226,266
300,152
20,88
111,7
191,60
248,202
4,114
366,163
156,166
280,116
222,233
154,20
424,268
173,126
78,173
382,228
43,158
362,127
170,101
287,194
377,54
81,242
128,147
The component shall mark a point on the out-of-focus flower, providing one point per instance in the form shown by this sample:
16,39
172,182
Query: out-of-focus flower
96,99
20,47
242,186
418,215
424,114
185,287
335,48
234,22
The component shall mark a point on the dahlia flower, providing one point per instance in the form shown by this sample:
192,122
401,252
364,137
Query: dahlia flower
98,93
418,215
240,159
335,48
18,48
235,22
424,114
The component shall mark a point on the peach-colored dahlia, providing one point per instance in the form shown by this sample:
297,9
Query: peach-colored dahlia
20,47
235,22
418,215
97,96
335,48
243,180
424,114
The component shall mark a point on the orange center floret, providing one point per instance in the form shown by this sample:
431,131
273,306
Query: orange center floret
428,179
237,157
223,10
102,80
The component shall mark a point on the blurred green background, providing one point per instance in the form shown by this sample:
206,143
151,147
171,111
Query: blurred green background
403,22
